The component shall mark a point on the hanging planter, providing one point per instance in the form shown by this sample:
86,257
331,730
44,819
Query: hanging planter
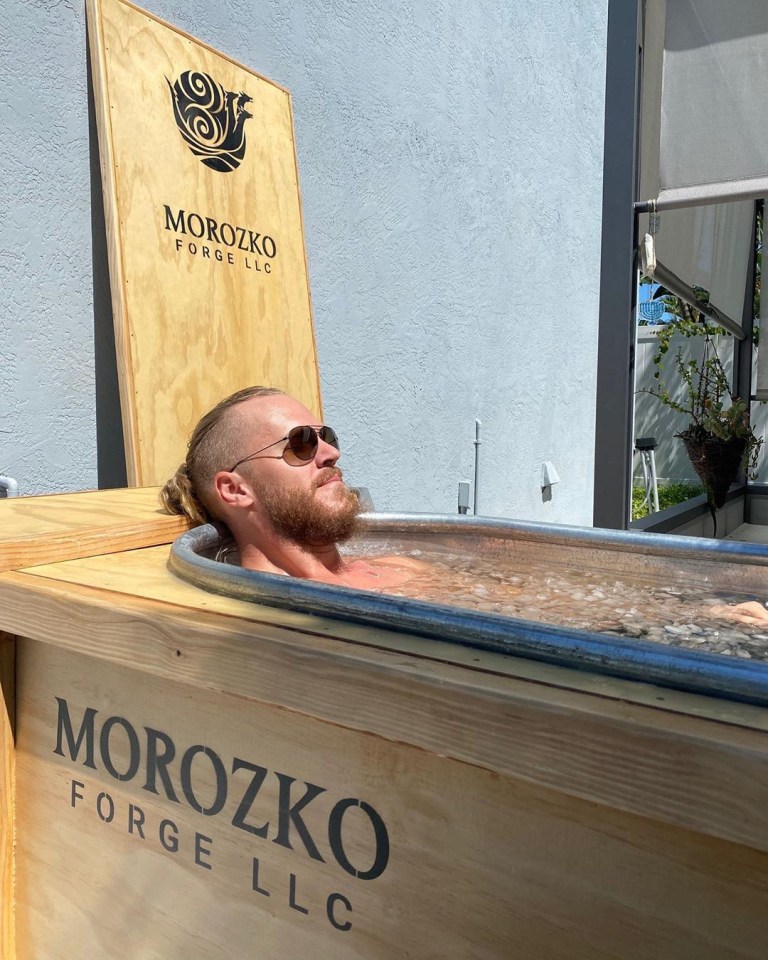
716,462
719,439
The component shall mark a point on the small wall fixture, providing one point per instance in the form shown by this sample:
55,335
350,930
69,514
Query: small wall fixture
463,497
549,475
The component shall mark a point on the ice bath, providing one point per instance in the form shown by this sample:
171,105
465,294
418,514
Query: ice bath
632,605
550,593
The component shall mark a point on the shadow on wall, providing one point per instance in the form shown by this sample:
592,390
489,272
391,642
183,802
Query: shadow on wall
110,450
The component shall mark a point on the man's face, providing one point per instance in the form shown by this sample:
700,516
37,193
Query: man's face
306,503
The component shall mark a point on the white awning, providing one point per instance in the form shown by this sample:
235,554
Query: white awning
703,153
709,247
704,116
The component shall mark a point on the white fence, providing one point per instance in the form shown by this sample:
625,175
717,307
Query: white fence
652,417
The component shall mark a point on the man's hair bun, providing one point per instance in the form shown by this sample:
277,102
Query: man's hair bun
178,496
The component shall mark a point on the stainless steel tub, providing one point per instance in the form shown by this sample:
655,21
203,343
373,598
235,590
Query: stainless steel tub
734,568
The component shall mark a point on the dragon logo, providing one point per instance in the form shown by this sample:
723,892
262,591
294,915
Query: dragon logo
210,119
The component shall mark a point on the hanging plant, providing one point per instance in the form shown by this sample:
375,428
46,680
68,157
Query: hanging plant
719,438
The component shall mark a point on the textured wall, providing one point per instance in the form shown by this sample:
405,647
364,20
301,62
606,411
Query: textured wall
47,419
451,165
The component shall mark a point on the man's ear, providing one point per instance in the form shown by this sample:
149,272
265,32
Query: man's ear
233,490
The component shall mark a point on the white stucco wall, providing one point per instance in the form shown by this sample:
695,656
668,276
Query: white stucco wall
47,424
451,165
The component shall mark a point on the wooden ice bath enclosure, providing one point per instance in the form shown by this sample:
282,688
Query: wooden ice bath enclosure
307,772
187,775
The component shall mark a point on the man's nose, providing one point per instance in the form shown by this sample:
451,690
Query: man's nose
327,454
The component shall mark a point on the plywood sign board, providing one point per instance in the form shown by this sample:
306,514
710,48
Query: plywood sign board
206,248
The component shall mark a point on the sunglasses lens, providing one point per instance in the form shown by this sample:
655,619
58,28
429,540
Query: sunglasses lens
303,442
329,436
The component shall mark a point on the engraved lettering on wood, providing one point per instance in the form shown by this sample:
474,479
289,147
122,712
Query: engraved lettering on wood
210,823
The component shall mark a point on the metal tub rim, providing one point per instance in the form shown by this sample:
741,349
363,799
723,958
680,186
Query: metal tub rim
692,671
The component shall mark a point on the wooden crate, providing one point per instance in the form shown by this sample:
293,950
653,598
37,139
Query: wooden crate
195,776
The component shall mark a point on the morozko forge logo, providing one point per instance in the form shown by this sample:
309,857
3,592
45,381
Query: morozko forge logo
210,119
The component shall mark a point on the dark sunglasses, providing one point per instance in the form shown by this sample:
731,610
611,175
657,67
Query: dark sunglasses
302,444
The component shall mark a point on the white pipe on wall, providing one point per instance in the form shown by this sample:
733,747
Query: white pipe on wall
477,465
10,486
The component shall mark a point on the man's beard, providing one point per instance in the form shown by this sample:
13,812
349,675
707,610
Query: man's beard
298,515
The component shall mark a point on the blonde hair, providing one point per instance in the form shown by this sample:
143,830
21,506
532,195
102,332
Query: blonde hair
211,448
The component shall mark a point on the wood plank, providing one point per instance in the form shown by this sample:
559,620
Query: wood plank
700,774
479,864
45,529
7,796
235,313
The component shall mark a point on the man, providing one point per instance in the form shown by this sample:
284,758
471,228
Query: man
259,462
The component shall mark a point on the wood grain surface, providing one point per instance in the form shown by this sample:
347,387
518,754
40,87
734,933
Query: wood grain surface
196,317
480,865
7,796
700,774
65,526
